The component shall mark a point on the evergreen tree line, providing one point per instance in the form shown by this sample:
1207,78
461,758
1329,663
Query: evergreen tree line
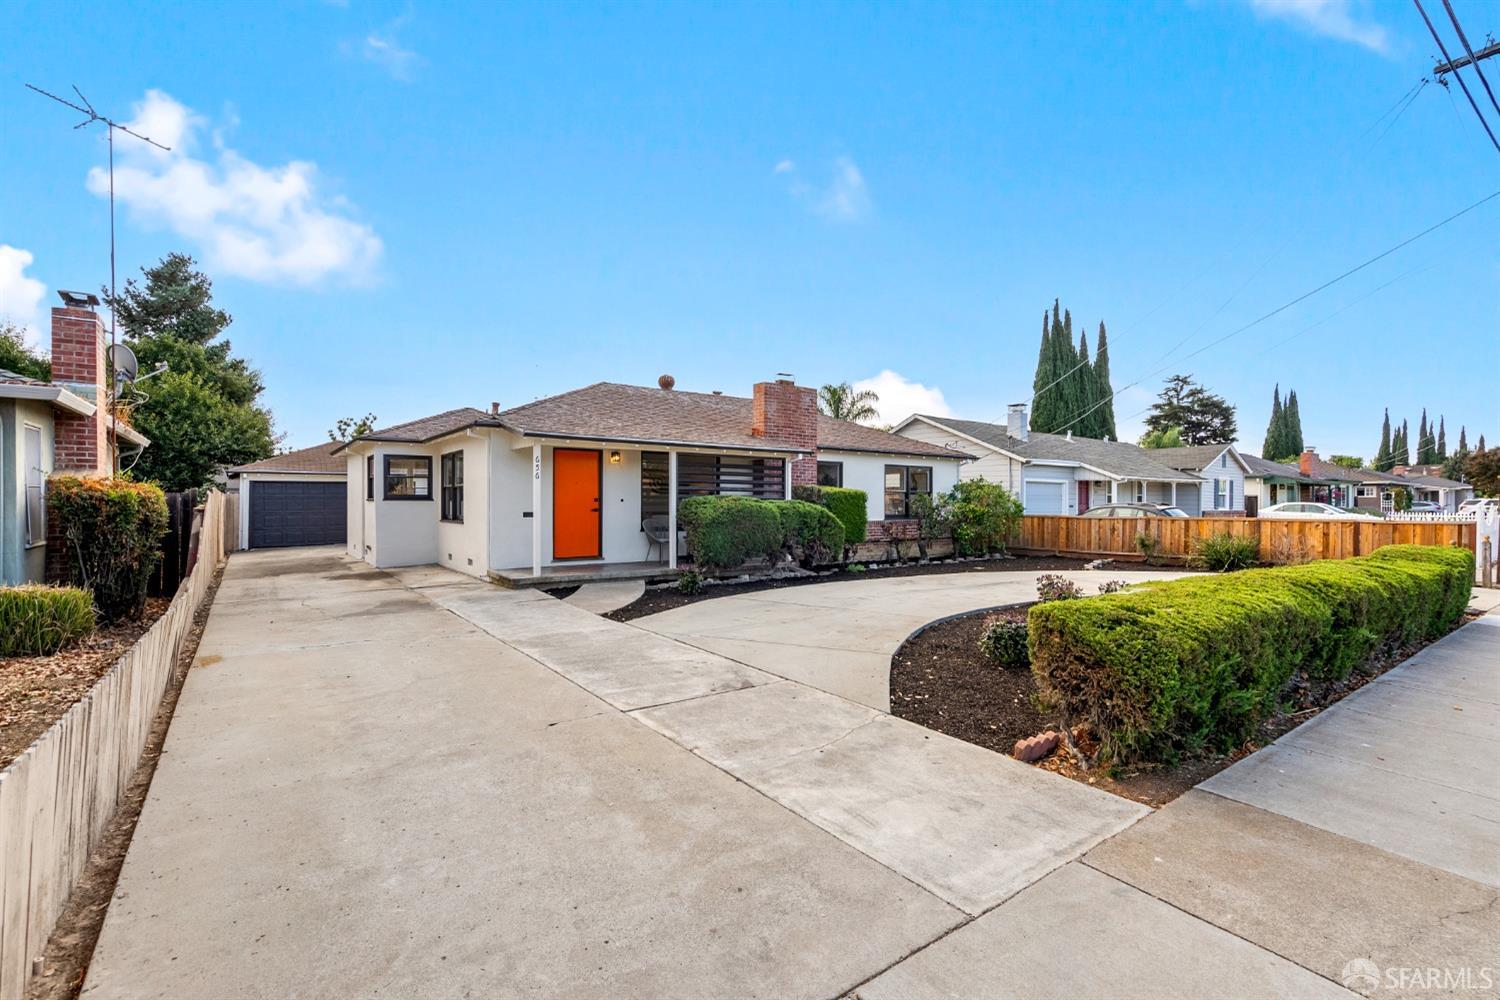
1071,392
1430,447
1284,431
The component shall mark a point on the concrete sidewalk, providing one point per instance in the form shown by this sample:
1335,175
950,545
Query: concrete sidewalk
840,636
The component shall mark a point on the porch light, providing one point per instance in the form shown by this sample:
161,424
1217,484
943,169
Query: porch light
614,458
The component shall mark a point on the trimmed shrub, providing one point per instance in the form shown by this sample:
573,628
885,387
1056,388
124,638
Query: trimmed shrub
851,508
689,583
807,492
1112,586
985,516
1004,641
1224,553
723,532
1165,668
113,529
38,621
1052,587
811,534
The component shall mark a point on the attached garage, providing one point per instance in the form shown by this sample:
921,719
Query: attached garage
1044,496
299,498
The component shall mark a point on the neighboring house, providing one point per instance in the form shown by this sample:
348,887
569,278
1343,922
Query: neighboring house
1057,473
1446,493
1220,467
1268,483
1331,484
54,427
589,476
297,498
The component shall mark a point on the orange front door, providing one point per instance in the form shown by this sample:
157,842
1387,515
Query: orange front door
575,503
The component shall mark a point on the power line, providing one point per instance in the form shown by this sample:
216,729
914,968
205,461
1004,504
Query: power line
1444,50
1464,40
1287,305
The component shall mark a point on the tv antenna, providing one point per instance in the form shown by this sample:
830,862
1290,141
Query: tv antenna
110,127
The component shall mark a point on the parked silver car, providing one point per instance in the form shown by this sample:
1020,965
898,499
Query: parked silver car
1306,510
1135,510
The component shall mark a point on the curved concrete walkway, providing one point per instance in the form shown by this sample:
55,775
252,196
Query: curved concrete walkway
840,636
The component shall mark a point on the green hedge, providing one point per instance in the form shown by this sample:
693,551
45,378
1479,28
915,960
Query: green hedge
851,507
38,621
1177,666
113,530
724,532
810,534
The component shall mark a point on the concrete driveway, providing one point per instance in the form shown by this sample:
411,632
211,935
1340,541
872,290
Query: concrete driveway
416,784
840,636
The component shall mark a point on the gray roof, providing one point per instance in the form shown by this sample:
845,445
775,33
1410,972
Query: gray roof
1267,469
1114,458
317,460
633,414
1190,457
1433,482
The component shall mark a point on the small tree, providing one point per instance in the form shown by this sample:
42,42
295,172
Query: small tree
844,402
349,428
1347,461
1483,470
984,517
1171,437
1205,418
15,356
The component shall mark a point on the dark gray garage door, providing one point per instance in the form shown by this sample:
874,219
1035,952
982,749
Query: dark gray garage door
297,514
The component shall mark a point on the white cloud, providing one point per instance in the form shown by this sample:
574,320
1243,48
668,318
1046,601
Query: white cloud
20,295
845,198
266,223
1339,19
900,397
382,49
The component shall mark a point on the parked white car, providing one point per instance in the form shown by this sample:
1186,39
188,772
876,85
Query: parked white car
1310,511
1425,507
1479,504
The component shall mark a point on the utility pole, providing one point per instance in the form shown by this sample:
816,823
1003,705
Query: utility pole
1442,68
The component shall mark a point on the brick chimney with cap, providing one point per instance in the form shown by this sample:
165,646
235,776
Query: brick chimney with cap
786,412
80,444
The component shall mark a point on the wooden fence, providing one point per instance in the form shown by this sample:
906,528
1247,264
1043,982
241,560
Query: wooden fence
1173,537
58,797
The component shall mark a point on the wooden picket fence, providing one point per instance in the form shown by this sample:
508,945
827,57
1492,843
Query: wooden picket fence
1173,537
58,797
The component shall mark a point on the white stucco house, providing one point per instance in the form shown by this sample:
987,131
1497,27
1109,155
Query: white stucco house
1057,473
527,493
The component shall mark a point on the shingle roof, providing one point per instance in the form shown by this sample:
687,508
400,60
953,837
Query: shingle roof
1126,461
6,375
1189,457
320,458
1433,482
1261,467
610,411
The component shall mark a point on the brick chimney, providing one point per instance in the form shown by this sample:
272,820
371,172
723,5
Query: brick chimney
1305,461
81,444
785,411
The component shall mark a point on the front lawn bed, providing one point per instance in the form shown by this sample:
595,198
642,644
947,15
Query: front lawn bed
36,691
940,680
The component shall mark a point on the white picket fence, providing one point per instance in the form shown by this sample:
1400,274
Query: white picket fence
1430,515
58,797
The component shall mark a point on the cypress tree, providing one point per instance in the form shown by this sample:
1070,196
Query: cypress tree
1085,390
1042,396
1383,455
1291,417
1442,441
1423,436
1463,438
1481,443
1403,450
1270,449
1106,391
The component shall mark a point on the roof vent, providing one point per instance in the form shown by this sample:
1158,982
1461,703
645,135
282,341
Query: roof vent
666,382
718,392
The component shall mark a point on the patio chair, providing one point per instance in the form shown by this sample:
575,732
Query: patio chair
656,527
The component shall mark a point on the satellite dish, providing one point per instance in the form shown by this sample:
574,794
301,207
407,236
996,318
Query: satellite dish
122,360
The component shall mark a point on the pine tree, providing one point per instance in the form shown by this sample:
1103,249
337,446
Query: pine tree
1442,441
1106,391
1383,454
1270,449
1292,417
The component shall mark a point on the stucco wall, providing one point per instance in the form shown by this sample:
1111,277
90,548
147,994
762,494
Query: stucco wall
463,545
866,472
359,531
20,563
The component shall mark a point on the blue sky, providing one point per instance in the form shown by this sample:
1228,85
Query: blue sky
411,207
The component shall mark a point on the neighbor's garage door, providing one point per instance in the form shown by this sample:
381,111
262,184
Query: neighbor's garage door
1044,498
297,514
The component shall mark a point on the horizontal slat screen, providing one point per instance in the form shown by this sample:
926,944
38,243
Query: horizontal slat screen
704,475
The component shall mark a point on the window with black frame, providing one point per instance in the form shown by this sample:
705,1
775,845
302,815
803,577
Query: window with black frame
369,477
452,472
408,477
902,482
830,473
653,484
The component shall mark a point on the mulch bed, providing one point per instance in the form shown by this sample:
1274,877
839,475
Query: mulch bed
940,679
667,597
36,691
